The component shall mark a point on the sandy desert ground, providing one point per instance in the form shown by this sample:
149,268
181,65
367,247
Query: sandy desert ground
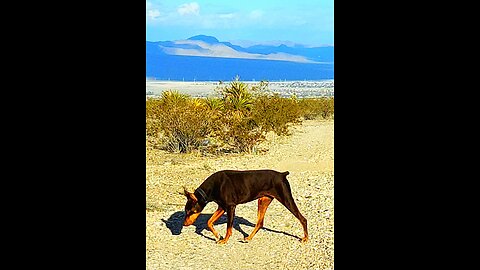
308,154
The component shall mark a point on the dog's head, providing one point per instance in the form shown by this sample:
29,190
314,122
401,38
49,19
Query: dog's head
192,208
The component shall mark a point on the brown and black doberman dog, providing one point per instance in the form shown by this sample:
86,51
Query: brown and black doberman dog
230,188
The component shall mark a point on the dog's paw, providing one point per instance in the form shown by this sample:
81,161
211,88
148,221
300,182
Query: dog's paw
244,240
222,241
247,239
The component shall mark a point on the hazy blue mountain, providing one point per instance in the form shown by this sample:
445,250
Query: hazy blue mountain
206,58
207,39
213,40
319,54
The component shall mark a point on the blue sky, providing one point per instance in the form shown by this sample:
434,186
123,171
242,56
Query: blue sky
308,22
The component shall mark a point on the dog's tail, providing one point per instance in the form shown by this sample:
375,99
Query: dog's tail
285,181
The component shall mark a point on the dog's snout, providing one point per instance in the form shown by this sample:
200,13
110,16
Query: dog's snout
187,223
189,220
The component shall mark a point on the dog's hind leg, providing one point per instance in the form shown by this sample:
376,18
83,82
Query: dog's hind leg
284,196
263,203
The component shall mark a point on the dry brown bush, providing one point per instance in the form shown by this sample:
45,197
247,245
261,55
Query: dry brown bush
312,108
178,123
274,113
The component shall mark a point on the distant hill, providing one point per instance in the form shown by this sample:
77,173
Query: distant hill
208,39
206,58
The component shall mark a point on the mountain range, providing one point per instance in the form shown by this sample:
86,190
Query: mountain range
205,58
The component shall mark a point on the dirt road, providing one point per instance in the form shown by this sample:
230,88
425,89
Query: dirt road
307,154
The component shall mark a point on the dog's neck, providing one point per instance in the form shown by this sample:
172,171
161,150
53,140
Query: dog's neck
201,196
206,189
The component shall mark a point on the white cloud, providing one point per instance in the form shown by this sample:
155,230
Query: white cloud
189,8
153,14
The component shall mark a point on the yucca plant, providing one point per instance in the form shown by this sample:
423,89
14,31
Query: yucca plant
173,97
198,102
214,103
236,95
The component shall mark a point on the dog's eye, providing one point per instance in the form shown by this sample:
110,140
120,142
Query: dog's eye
190,212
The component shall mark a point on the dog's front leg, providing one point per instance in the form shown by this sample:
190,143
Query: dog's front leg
230,216
213,219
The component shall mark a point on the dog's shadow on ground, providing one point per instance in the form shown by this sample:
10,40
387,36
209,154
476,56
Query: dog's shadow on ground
175,224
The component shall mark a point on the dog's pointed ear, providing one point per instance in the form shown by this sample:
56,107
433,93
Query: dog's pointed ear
184,192
187,194
192,197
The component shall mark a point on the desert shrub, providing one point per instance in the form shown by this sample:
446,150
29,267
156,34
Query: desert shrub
274,113
155,110
328,107
177,122
238,131
235,126
312,108
153,124
238,119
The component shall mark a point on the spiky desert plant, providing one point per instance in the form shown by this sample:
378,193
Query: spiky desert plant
198,102
173,97
236,95
214,103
